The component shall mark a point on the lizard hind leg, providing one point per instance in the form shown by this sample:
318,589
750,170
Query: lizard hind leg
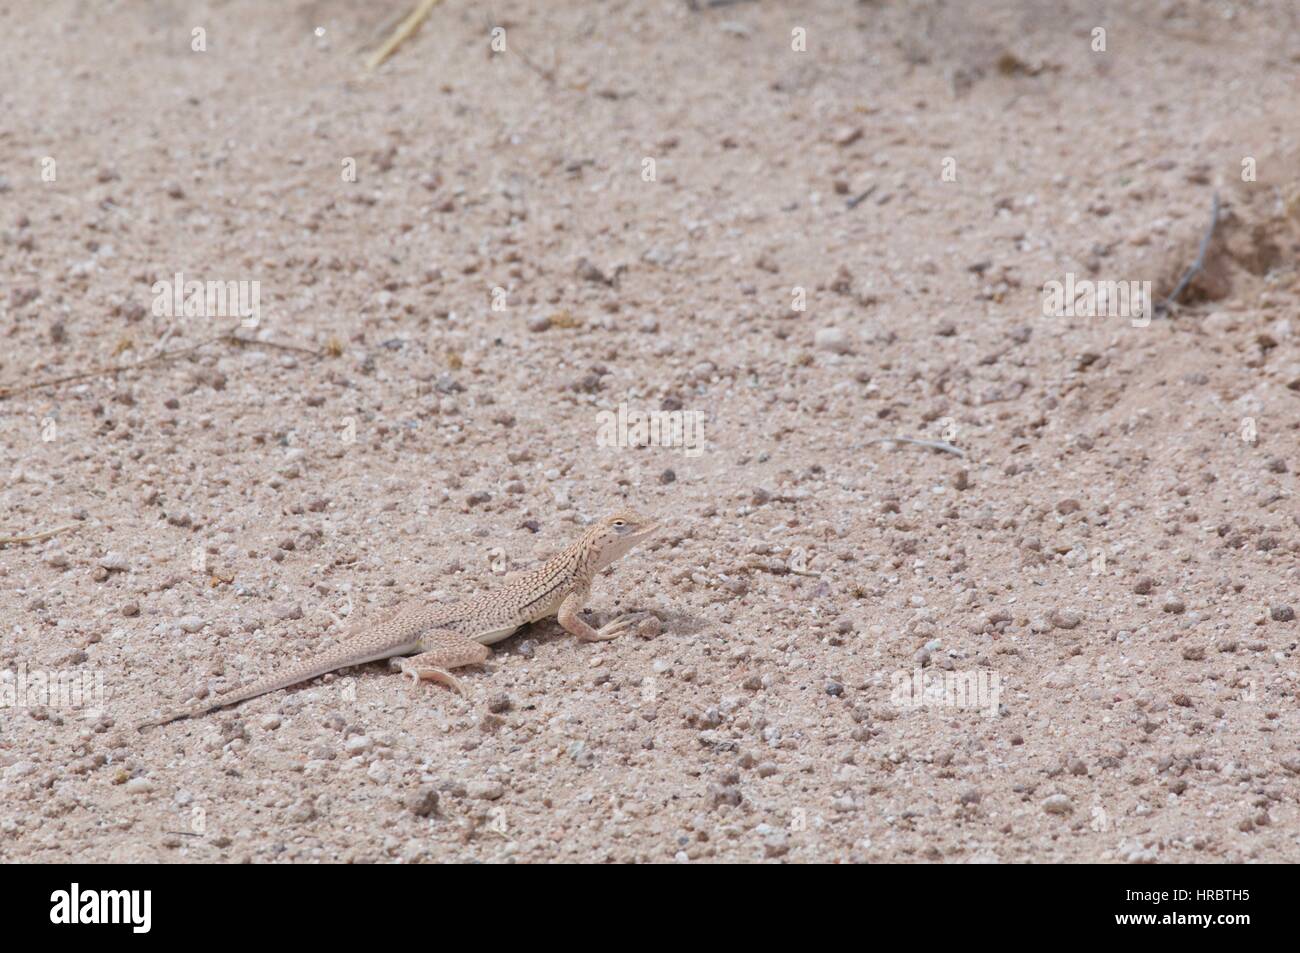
443,649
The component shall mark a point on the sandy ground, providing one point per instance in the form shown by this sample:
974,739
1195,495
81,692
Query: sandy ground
1111,570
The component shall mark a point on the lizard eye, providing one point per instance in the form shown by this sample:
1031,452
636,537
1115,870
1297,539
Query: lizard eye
620,523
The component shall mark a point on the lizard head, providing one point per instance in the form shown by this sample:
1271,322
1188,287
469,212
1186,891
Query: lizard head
616,534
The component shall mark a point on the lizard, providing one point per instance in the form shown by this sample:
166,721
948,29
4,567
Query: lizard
425,641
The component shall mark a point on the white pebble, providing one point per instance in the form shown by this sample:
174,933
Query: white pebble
1057,804
484,790
114,562
832,339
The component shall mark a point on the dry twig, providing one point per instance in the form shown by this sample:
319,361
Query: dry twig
403,32
696,5
226,336
932,444
860,198
1200,257
33,537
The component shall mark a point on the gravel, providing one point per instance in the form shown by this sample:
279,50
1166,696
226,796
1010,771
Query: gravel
239,509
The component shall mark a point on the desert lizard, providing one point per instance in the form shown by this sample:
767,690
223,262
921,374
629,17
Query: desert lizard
442,637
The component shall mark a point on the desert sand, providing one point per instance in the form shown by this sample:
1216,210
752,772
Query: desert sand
807,226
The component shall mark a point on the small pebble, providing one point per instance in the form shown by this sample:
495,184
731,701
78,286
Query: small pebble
831,339
1066,618
1058,804
776,844
422,803
484,790
114,562
358,744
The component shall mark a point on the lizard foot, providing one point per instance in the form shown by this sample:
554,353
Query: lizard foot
424,672
612,630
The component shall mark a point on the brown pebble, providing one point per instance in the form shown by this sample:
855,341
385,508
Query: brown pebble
1066,618
721,794
422,803
589,272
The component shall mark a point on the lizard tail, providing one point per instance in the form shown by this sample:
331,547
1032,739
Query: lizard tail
339,656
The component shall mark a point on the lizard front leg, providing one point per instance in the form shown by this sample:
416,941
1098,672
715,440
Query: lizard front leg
443,649
573,624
